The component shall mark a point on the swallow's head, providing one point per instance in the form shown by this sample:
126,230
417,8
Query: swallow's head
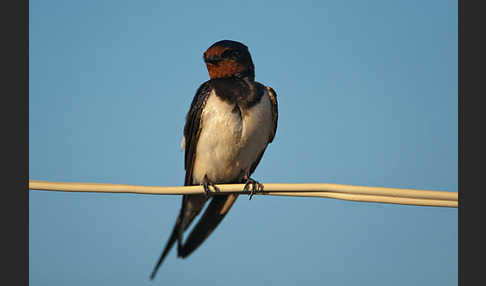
229,59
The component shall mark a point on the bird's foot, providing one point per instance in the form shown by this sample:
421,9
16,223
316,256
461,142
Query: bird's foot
255,186
206,184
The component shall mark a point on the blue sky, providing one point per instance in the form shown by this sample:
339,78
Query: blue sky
367,95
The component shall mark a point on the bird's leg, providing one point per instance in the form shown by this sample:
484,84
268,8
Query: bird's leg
256,186
206,184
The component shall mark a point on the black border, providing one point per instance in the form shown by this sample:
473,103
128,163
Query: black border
471,142
14,117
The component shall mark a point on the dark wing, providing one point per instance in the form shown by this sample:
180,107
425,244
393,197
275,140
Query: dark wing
273,99
192,130
191,205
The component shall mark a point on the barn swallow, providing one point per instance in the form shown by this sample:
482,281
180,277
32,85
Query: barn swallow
231,121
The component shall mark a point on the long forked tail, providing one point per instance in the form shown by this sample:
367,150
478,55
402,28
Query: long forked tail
210,219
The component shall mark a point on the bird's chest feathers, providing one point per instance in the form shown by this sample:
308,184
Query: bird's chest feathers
231,138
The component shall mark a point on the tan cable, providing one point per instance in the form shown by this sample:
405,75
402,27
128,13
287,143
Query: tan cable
335,191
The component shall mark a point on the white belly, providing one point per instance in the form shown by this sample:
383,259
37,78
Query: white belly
229,144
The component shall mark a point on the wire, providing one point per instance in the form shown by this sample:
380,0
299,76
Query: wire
334,191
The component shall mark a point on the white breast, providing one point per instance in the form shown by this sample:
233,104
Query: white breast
228,144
